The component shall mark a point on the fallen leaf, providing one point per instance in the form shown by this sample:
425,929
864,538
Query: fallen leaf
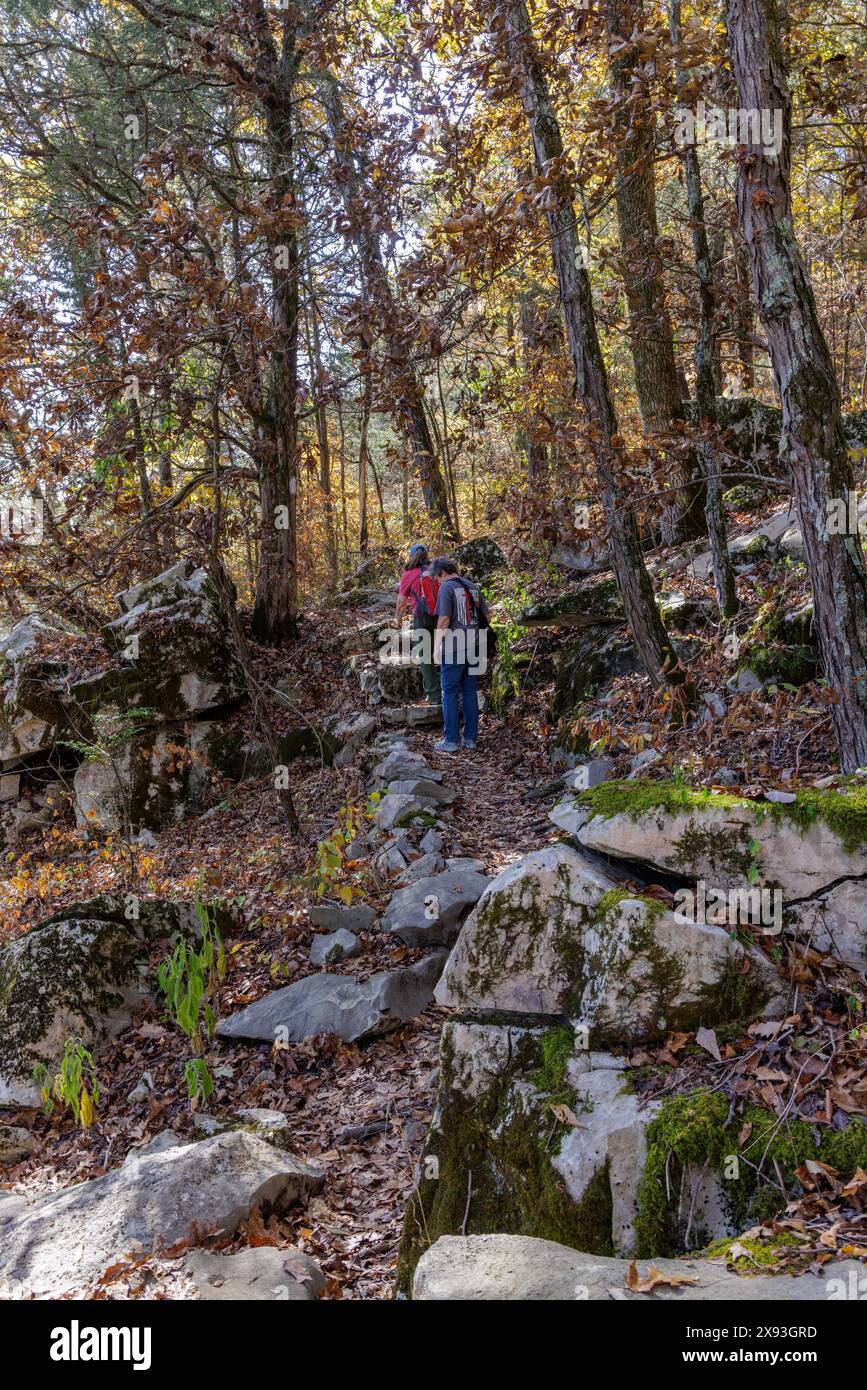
653,1279
706,1038
566,1116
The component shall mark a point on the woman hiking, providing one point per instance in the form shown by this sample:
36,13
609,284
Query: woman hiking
419,591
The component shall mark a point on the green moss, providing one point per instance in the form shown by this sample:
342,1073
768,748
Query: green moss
696,1130
493,1155
558,1048
505,919
844,811
636,798
425,818
760,1251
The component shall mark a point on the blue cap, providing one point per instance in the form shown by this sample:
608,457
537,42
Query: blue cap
414,549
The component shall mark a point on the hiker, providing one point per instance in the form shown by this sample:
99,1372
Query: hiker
419,591
461,637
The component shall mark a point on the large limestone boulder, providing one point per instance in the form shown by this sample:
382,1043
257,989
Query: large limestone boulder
534,1135
550,1139
429,910
81,974
519,1268
479,558
152,780
172,640
67,1240
353,1009
726,841
35,705
399,809
554,935
398,679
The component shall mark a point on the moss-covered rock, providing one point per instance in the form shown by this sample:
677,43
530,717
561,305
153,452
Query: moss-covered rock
589,664
487,1164
590,606
553,935
149,781
780,646
699,1132
75,975
479,558
36,708
725,840
172,642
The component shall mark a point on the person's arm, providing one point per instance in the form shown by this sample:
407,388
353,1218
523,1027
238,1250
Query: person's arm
402,600
439,635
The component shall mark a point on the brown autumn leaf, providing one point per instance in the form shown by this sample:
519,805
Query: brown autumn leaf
566,1116
654,1278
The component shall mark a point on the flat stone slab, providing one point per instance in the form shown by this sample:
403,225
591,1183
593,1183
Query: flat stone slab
67,1240
425,867
512,1268
423,787
401,763
718,838
333,916
353,1009
413,716
429,911
258,1274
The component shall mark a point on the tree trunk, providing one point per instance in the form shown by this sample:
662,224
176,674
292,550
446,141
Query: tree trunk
403,383
314,349
591,377
744,313
275,608
651,336
535,451
705,388
363,529
815,440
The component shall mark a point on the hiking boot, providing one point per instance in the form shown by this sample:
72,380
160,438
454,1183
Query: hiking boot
443,746
469,743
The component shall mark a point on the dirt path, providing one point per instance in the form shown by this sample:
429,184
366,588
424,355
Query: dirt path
388,1088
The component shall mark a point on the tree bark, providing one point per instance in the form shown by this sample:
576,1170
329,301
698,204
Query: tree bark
314,350
275,607
535,452
591,377
814,437
363,529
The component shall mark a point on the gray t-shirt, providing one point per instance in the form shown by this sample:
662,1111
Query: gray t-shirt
453,602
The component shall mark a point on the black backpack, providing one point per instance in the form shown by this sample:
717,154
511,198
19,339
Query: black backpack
478,615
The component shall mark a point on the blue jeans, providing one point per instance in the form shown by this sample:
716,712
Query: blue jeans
459,683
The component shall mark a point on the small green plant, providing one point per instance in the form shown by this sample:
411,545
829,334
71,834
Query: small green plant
200,1083
329,868
188,978
76,1084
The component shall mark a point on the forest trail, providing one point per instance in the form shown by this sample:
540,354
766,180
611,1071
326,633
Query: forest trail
369,1120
